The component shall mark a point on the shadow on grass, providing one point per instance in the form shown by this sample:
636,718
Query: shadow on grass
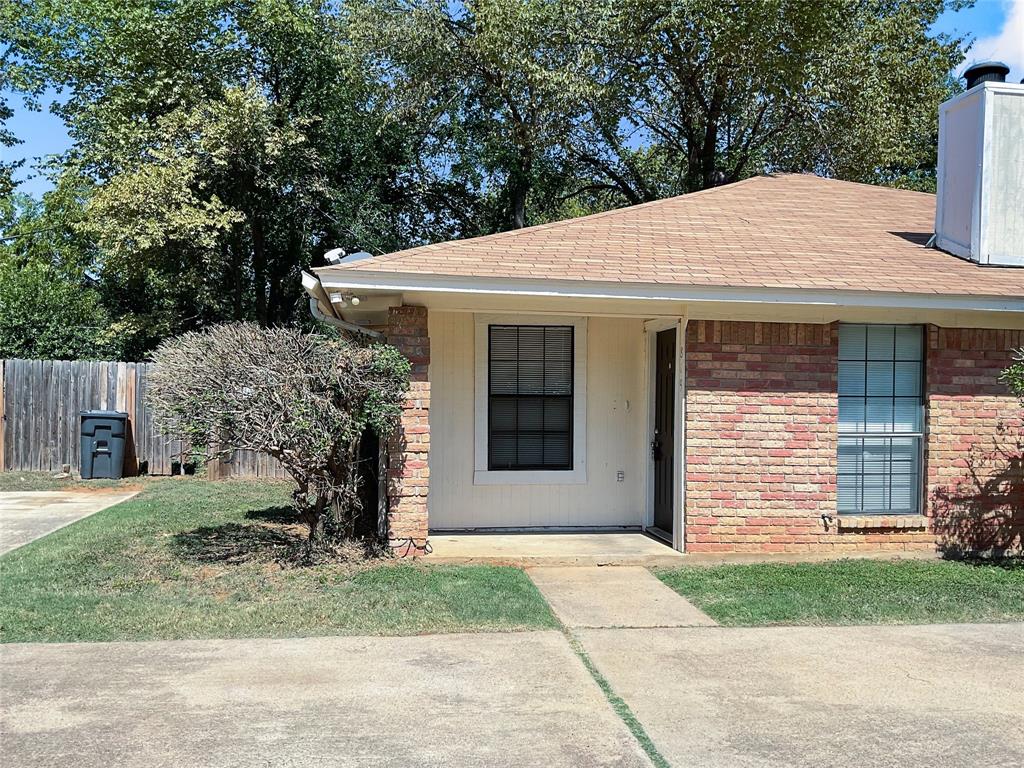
284,515
1013,563
235,544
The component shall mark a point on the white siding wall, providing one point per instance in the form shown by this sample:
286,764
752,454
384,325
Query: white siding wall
615,440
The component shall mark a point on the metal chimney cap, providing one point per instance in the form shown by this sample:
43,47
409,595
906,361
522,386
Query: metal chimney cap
985,71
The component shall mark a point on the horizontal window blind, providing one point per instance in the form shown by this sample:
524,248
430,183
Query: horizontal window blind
530,397
881,418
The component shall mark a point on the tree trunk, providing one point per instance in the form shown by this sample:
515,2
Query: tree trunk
275,288
281,289
519,183
311,519
708,155
259,269
709,151
517,194
237,289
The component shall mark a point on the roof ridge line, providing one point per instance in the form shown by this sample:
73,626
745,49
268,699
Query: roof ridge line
869,185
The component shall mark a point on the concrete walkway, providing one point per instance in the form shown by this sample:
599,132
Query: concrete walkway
449,700
29,515
614,597
913,696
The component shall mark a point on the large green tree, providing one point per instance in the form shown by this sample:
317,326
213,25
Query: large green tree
704,92
221,145
546,108
51,307
503,82
227,144
7,140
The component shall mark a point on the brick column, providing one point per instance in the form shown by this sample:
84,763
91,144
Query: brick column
408,468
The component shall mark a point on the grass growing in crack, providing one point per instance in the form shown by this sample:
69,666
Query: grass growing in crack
617,703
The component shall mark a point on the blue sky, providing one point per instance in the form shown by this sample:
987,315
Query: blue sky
997,26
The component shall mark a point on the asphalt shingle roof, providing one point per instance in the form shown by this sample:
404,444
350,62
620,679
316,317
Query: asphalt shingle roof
785,231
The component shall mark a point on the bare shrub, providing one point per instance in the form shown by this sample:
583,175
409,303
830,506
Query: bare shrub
305,399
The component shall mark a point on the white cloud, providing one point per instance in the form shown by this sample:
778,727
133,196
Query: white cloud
1008,45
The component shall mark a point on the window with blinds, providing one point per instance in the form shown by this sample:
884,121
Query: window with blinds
530,397
881,418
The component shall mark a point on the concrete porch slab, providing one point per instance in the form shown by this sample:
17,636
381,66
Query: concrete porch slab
614,597
552,549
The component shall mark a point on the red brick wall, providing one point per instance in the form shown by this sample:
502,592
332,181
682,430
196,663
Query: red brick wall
975,481
761,411
408,469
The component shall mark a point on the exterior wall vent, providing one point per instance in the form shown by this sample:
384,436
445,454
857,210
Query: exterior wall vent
979,212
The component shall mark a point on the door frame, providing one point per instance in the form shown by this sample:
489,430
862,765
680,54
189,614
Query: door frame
651,329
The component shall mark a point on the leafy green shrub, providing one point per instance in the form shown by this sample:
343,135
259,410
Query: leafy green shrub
1013,376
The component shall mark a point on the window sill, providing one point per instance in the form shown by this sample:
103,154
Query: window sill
874,522
530,477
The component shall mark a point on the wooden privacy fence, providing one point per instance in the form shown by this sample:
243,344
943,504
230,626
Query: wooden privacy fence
40,403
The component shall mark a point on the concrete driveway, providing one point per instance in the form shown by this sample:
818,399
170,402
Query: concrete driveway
931,696
939,696
935,696
29,515
450,700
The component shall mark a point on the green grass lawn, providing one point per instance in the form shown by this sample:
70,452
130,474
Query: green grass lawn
853,592
194,559
46,481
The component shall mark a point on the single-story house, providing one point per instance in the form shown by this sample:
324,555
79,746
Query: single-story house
784,364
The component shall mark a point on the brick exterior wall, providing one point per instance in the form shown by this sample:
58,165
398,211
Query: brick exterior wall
408,468
975,480
761,441
761,413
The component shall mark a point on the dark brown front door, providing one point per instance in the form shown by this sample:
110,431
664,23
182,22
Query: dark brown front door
663,440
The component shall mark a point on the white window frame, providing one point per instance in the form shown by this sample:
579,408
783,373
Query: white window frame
578,474
920,436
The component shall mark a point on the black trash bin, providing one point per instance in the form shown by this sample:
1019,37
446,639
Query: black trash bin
103,439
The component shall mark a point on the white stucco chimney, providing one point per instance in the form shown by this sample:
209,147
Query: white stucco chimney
979,212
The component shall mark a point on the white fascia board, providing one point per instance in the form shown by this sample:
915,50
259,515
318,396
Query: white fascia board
398,282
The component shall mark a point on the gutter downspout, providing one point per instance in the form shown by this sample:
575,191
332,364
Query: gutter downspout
316,291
